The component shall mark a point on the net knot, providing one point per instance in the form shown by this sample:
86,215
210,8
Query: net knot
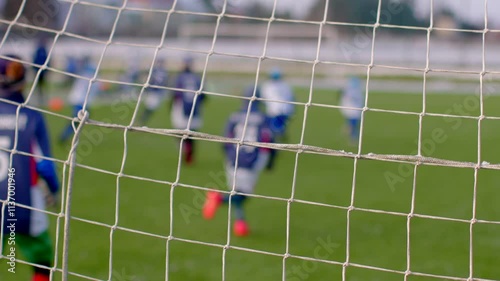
82,114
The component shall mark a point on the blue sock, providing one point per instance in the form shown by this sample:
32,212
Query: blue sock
354,124
237,204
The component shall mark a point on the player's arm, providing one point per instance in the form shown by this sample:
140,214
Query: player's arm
46,168
229,133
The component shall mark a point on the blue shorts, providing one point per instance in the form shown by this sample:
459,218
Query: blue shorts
354,122
278,124
76,109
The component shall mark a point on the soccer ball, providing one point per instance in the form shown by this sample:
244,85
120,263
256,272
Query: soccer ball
56,104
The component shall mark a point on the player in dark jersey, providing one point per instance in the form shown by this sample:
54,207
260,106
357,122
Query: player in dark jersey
19,183
247,165
184,101
39,58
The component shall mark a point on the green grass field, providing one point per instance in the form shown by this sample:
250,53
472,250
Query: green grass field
437,247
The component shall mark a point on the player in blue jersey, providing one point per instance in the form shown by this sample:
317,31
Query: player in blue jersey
250,161
154,96
184,102
80,92
19,183
39,58
282,109
352,97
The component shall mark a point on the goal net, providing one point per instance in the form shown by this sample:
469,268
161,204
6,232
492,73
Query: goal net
396,183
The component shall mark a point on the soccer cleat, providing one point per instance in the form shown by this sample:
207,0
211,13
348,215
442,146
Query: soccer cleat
240,228
40,277
212,203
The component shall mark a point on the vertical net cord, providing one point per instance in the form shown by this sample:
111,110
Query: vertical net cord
83,115
125,134
117,193
184,137
172,186
4,203
356,159
301,142
65,166
242,139
419,144
473,220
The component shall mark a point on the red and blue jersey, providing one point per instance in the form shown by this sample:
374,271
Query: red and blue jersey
257,130
32,141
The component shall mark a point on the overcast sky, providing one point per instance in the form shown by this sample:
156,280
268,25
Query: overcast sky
472,10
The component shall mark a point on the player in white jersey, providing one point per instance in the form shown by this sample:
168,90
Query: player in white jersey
280,110
352,97
79,92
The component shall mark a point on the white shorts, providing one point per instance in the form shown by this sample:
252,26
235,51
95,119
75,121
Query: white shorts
246,179
180,121
153,100
39,221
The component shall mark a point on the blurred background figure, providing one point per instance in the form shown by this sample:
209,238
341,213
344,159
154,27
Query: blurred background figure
71,67
154,96
81,93
39,58
251,125
352,97
133,74
280,110
185,102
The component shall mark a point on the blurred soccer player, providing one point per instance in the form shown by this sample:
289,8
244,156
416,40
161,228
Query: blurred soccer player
79,91
39,58
20,183
155,96
352,97
184,103
251,161
279,112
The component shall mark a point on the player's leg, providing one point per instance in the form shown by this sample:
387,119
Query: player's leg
214,199
68,131
245,183
190,144
151,103
354,129
278,127
38,250
188,150
41,87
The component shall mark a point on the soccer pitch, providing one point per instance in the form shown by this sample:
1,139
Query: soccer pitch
374,239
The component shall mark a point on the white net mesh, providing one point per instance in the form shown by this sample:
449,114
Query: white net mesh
311,62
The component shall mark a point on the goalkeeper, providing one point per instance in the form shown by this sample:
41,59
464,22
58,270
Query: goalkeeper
186,101
251,161
19,184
